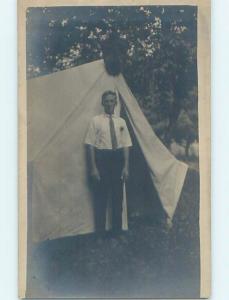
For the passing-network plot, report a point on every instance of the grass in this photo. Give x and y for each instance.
(147, 261)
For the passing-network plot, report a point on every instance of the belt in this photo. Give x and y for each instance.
(109, 150)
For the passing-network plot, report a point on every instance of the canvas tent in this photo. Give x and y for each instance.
(60, 107)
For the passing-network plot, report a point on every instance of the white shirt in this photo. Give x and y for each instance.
(98, 134)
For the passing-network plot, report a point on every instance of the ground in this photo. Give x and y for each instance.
(147, 261)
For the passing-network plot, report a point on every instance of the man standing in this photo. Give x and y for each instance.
(108, 141)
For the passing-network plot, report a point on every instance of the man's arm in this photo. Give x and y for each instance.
(94, 170)
(90, 141)
(125, 171)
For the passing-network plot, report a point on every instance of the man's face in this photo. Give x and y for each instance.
(109, 104)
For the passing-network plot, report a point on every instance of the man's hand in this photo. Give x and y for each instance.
(125, 174)
(95, 174)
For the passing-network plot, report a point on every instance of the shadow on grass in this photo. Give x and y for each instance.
(146, 261)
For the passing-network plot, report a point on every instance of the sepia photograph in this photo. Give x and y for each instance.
(113, 196)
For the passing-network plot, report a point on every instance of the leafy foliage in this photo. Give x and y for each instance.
(154, 47)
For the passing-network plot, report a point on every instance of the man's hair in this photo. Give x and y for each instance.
(105, 94)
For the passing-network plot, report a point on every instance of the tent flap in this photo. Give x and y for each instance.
(166, 171)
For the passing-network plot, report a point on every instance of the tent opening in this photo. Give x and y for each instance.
(142, 198)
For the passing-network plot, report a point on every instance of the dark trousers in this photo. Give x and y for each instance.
(110, 186)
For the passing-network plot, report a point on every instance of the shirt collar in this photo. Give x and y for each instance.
(108, 116)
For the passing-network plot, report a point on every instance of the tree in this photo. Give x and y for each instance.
(185, 130)
(153, 46)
